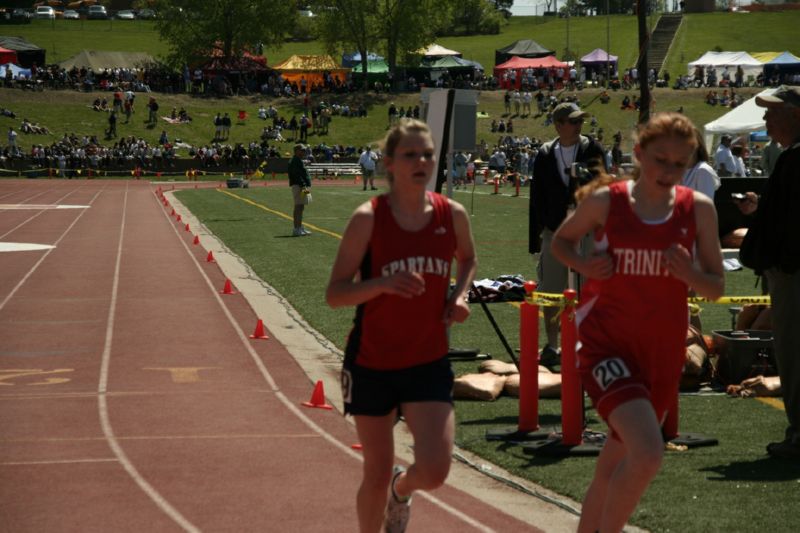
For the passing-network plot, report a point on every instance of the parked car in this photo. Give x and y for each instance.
(19, 15)
(146, 14)
(97, 12)
(126, 14)
(71, 14)
(45, 12)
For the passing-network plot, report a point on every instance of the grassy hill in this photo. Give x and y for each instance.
(753, 32)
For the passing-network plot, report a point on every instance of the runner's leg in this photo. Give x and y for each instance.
(377, 438)
(432, 424)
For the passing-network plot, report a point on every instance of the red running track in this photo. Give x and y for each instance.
(132, 400)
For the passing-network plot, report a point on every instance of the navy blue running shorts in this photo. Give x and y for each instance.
(377, 392)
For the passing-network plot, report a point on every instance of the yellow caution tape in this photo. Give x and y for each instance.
(544, 299)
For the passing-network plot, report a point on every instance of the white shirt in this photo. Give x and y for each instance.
(367, 160)
(702, 178)
(724, 157)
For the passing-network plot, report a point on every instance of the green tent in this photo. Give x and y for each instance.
(377, 70)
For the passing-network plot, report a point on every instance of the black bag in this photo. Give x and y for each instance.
(748, 251)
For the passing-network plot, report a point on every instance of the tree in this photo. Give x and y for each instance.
(394, 27)
(193, 28)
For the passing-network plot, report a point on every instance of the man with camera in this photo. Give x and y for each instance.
(560, 168)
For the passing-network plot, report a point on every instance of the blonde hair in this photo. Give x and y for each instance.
(406, 126)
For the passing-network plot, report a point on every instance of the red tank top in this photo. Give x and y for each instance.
(391, 332)
(641, 305)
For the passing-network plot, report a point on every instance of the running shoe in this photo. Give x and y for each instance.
(304, 231)
(297, 232)
(398, 511)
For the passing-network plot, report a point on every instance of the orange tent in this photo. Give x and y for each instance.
(312, 68)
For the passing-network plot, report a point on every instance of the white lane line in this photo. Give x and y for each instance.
(289, 404)
(23, 247)
(15, 207)
(29, 219)
(61, 462)
(102, 403)
(47, 253)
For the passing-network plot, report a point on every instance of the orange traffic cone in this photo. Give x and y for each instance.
(196, 240)
(318, 397)
(228, 288)
(210, 257)
(186, 227)
(178, 218)
(173, 212)
(357, 446)
(259, 333)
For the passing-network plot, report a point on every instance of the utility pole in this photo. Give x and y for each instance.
(644, 42)
(608, 44)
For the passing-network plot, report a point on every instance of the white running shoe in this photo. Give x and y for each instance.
(398, 511)
(304, 231)
(297, 232)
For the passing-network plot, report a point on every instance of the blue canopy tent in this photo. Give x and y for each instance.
(786, 64)
(15, 71)
(354, 58)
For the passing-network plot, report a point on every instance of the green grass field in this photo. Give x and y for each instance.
(721, 488)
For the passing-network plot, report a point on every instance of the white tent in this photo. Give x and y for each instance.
(719, 60)
(435, 50)
(743, 118)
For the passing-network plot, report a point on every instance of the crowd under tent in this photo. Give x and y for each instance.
(28, 53)
(598, 60)
(720, 60)
(522, 48)
(100, 60)
(784, 64)
(520, 64)
(310, 67)
(354, 58)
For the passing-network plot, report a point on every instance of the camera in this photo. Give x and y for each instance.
(580, 173)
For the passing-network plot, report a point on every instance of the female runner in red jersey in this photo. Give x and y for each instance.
(653, 240)
(394, 265)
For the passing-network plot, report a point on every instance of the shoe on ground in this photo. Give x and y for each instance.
(374, 188)
(304, 231)
(549, 357)
(297, 232)
(398, 511)
(786, 449)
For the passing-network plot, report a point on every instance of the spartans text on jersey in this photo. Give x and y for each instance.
(421, 264)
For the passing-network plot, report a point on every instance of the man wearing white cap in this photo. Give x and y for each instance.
(772, 248)
(558, 169)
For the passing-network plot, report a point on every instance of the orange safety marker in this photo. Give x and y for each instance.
(196, 240)
(571, 391)
(357, 446)
(178, 218)
(259, 333)
(187, 227)
(318, 397)
(228, 288)
(210, 257)
(528, 362)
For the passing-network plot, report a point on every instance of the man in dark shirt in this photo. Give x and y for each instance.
(558, 170)
(772, 248)
(300, 182)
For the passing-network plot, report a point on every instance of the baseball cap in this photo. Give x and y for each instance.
(568, 110)
(299, 147)
(783, 95)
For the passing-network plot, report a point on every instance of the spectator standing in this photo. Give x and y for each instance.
(552, 196)
(226, 126)
(724, 162)
(152, 106)
(700, 176)
(772, 248)
(300, 182)
(396, 355)
(112, 124)
(218, 127)
(12, 137)
(460, 160)
(632, 318)
(367, 162)
(769, 156)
